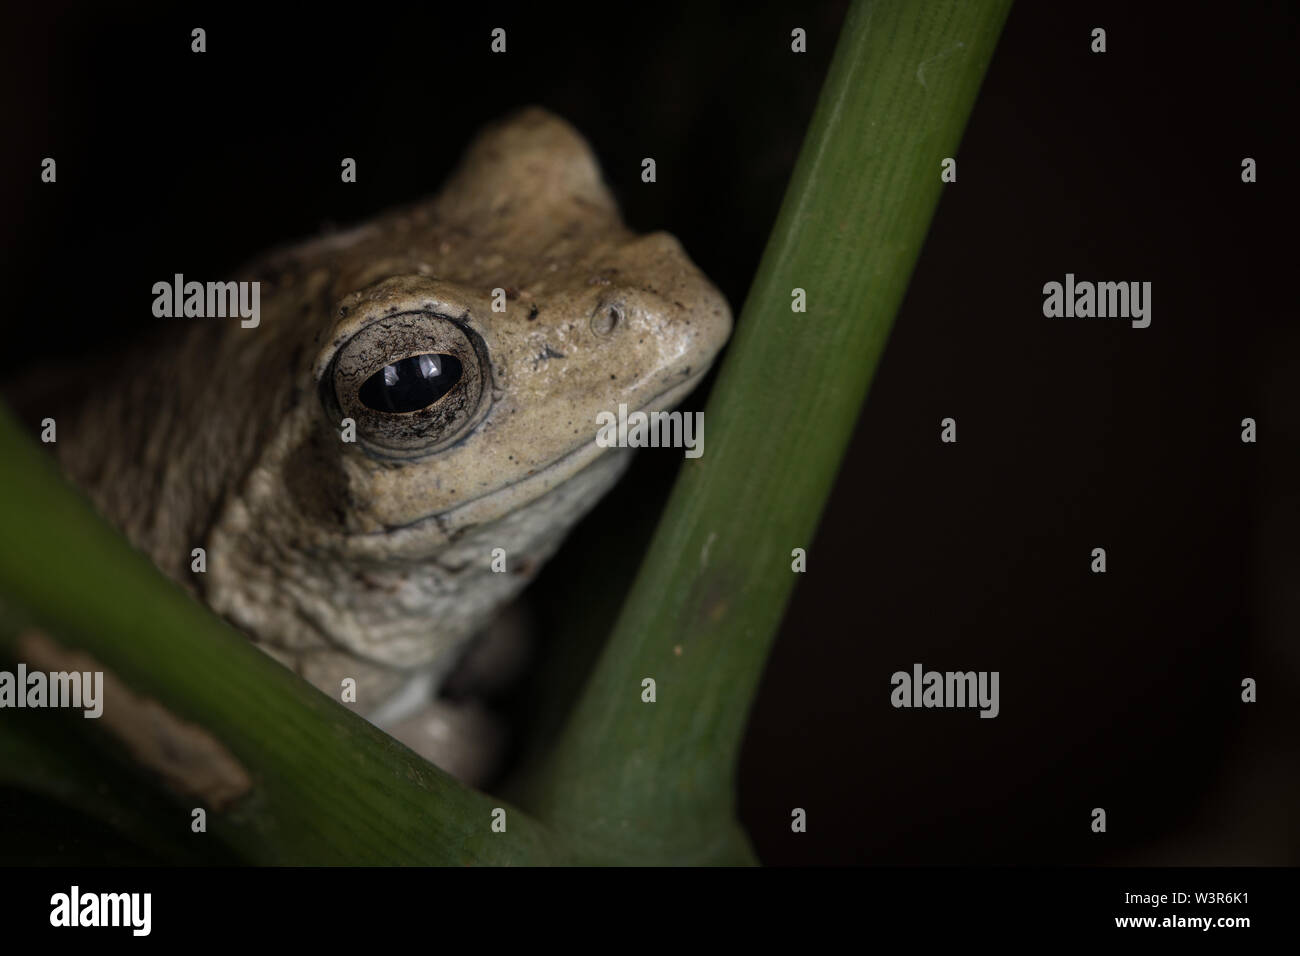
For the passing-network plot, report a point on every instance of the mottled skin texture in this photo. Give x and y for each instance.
(371, 559)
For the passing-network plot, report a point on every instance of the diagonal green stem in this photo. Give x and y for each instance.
(327, 787)
(654, 781)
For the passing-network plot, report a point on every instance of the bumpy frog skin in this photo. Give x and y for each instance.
(372, 559)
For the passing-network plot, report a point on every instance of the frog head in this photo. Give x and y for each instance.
(471, 341)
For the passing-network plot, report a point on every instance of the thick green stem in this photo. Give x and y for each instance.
(654, 781)
(326, 787)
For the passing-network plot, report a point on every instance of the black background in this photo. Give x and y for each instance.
(1118, 690)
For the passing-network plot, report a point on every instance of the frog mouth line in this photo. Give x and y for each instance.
(446, 520)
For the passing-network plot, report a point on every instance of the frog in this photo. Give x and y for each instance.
(365, 477)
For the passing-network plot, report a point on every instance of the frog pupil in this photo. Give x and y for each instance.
(411, 384)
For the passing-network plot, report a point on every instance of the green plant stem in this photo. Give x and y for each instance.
(655, 781)
(327, 787)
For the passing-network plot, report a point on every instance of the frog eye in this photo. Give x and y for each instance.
(413, 383)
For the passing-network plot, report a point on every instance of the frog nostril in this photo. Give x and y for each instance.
(606, 318)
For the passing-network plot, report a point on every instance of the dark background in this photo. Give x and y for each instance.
(1119, 690)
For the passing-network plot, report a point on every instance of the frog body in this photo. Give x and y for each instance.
(518, 304)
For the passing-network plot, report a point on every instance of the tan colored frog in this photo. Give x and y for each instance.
(474, 429)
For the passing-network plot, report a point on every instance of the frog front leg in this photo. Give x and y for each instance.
(463, 738)
(458, 731)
